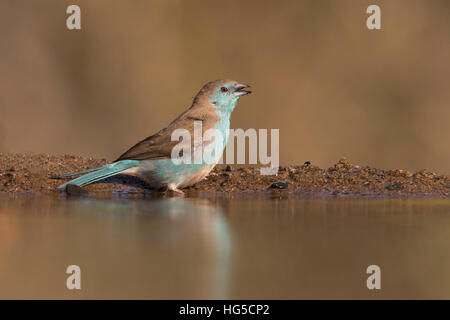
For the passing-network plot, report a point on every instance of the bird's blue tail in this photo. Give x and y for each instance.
(99, 173)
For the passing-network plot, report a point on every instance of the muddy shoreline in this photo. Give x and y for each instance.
(30, 174)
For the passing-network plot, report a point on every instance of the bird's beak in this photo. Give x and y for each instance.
(238, 90)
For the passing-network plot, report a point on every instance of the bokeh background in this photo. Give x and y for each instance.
(332, 87)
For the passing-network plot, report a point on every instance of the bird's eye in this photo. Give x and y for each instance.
(224, 89)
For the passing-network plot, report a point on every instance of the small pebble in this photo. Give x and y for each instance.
(74, 190)
(279, 185)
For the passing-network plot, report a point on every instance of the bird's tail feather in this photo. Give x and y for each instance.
(71, 174)
(100, 173)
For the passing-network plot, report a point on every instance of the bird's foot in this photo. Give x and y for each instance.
(175, 190)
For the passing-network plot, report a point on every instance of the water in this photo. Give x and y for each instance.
(219, 247)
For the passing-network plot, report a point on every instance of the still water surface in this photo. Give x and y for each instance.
(219, 247)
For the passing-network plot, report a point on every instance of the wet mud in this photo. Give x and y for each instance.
(31, 174)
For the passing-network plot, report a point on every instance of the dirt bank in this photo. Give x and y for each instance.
(30, 174)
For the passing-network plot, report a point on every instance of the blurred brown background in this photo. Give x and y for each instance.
(332, 87)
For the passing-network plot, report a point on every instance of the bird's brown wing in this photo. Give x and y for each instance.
(159, 145)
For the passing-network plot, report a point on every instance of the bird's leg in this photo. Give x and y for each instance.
(172, 187)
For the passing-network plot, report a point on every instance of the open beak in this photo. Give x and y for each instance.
(239, 90)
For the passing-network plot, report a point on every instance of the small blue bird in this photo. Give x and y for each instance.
(151, 158)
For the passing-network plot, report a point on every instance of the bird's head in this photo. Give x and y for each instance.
(222, 94)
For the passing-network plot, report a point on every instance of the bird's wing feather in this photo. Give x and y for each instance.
(157, 146)
(160, 145)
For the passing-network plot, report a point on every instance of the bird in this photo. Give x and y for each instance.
(151, 160)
